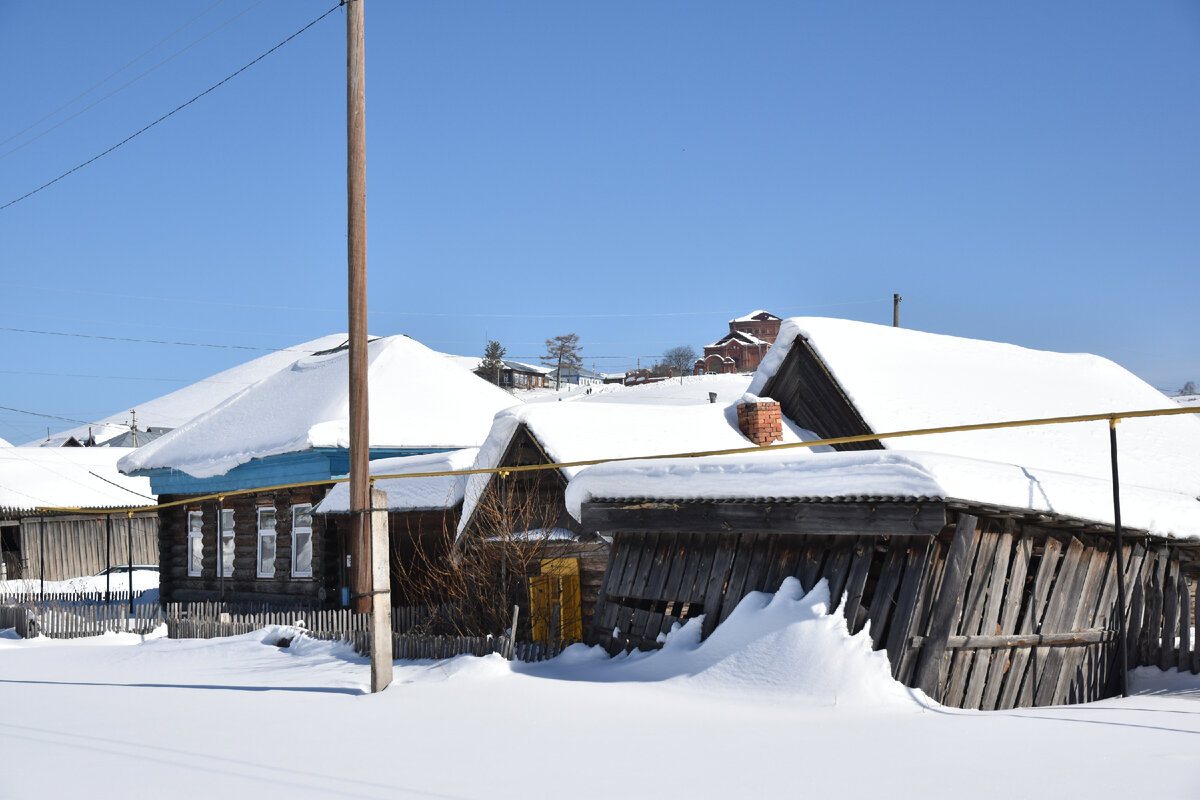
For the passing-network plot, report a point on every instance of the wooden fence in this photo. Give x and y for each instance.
(73, 620)
(25, 597)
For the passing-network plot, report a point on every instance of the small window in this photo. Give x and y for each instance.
(302, 541)
(227, 543)
(195, 543)
(266, 542)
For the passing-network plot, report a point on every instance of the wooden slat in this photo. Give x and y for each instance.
(665, 558)
(974, 604)
(856, 583)
(1010, 617)
(1153, 626)
(1059, 610)
(742, 554)
(919, 565)
(883, 601)
(947, 607)
(1085, 601)
(1184, 662)
(782, 562)
(809, 568)
(761, 559)
(1031, 618)
(990, 623)
(1168, 649)
(717, 576)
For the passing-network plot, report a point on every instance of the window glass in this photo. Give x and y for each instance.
(227, 542)
(266, 543)
(302, 541)
(195, 543)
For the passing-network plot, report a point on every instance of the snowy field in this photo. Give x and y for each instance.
(778, 702)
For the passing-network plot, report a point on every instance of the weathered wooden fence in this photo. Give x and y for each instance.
(209, 620)
(988, 614)
(27, 597)
(73, 620)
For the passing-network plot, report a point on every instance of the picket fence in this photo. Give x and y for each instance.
(73, 620)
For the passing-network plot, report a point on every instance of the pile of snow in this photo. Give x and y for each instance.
(5, 443)
(411, 494)
(418, 399)
(1187, 400)
(786, 645)
(174, 409)
(71, 477)
(900, 379)
(585, 431)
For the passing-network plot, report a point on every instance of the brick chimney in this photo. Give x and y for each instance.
(761, 422)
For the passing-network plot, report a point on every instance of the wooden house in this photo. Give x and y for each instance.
(499, 506)
(35, 543)
(251, 545)
(984, 563)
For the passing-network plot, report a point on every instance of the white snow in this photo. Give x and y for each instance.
(686, 391)
(418, 398)
(5, 443)
(144, 580)
(779, 697)
(73, 477)
(1187, 400)
(750, 317)
(900, 379)
(411, 494)
(795, 474)
(173, 409)
(586, 431)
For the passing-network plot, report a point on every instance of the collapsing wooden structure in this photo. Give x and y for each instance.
(980, 608)
(56, 547)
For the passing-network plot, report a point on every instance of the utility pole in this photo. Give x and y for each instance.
(896, 310)
(368, 595)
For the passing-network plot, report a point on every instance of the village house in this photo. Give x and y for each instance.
(983, 562)
(743, 348)
(293, 428)
(55, 545)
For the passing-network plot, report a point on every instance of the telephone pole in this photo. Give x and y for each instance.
(365, 550)
(896, 310)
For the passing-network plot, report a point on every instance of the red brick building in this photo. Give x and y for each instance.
(743, 348)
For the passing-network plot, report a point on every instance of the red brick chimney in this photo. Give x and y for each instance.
(761, 422)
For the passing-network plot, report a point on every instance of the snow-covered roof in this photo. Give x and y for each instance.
(418, 398)
(5, 443)
(411, 494)
(900, 379)
(748, 338)
(753, 315)
(582, 432)
(885, 475)
(71, 477)
(174, 409)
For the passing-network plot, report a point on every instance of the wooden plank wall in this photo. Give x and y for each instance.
(75, 545)
(986, 615)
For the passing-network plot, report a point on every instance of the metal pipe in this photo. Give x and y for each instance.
(129, 551)
(1122, 641)
(108, 558)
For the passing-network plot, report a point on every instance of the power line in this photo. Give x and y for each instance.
(114, 74)
(171, 113)
(156, 341)
(48, 416)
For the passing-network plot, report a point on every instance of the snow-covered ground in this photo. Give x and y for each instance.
(145, 579)
(686, 391)
(778, 702)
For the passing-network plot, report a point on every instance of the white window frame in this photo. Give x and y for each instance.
(226, 569)
(195, 538)
(262, 534)
(301, 530)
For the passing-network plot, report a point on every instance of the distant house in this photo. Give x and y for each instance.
(582, 377)
(293, 427)
(56, 545)
(743, 348)
(983, 562)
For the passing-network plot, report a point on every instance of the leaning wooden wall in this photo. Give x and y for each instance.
(989, 614)
(75, 545)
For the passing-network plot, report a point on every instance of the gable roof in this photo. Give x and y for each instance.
(73, 477)
(899, 379)
(742, 336)
(418, 399)
(756, 316)
(585, 431)
(411, 494)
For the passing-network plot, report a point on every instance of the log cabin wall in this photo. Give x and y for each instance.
(987, 614)
(244, 585)
(812, 398)
(79, 545)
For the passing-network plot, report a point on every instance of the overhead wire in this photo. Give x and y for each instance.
(169, 114)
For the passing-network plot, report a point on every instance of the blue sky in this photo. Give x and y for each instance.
(638, 173)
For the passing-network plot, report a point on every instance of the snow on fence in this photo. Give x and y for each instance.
(209, 620)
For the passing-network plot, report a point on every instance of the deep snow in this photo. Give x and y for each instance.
(779, 702)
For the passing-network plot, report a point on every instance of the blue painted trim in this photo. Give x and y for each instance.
(318, 464)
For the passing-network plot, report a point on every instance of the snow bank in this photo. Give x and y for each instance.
(75, 477)
(411, 494)
(785, 645)
(900, 379)
(418, 398)
(689, 391)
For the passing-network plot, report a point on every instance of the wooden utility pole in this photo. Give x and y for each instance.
(363, 585)
(896, 310)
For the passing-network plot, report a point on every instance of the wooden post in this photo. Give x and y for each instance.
(946, 608)
(108, 558)
(356, 227)
(42, 558)
(1122, 642)
(129, 553)
(896, 310)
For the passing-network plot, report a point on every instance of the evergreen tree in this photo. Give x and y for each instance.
(493, 362)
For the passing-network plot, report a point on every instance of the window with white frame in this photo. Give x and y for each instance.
(195, 543)
(226, 565)
(302, 541)
(266, 542)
